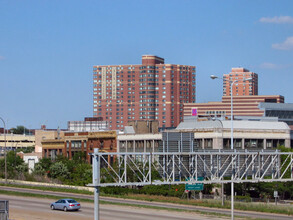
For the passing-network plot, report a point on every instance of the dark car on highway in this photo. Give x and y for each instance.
(65, 205)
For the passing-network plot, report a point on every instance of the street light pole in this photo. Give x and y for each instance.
(5, 159)
(232, 139)
(222, 185)
(232, 148)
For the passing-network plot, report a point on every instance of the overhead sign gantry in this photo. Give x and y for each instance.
(204, 167)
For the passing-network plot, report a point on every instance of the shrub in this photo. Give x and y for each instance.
(243, 198)
(39, 170)
(82, 175)
(22, 168)
(58, 170)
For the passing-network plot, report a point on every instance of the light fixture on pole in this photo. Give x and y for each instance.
(5, 159)
(214, 77)
(232, 140)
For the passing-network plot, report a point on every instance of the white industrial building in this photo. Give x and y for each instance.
(194, 134)
(247, 134)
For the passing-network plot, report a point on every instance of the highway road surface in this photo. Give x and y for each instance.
(29, 208)
(248, 214)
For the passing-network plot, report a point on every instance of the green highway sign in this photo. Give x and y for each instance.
(196, 186)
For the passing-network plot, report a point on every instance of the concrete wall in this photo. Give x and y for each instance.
(19, 182)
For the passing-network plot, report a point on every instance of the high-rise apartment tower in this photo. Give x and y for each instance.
(240, 88)
(152, 90)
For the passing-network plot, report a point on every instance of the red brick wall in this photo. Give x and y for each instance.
(150, 91)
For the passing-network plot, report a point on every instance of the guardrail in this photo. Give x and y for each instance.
(4, 209)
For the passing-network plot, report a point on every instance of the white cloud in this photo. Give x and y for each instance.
(277, 20)
(286, 45)
(268, 66)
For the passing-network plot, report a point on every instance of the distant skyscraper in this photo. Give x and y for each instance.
(240, 88)
(152, 90)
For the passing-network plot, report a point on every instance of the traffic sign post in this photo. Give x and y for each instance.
(195, 186)
(276, 196)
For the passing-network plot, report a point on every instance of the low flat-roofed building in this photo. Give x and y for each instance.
(283, 111)
(139, 136)
(14, 141)
(74, 142)
(242, 106)
(247, 134)
(251, 133)
(138, 142)
(31, 159)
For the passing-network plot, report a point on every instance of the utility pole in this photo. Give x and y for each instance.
(5, 150)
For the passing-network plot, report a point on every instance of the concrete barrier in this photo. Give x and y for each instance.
(28, 183)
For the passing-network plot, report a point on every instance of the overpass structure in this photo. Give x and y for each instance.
(219, 166)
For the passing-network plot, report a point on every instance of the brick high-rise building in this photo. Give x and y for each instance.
(240, 88)
(152, 90)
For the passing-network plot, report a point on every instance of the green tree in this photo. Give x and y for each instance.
(22, 168)
(39, 170)
(26, 150)
(45, 164)
(58, 170)
(2, 168)
(82, 174)
(79, 157)
(20, 129)
(13, 161)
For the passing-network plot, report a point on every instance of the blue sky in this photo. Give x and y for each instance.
(48, 48)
